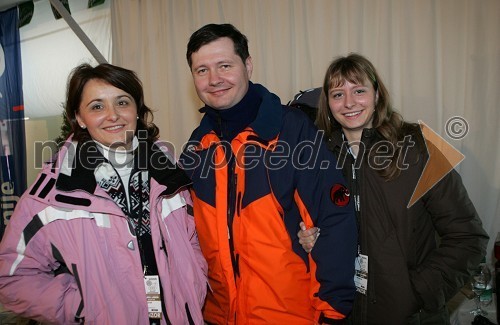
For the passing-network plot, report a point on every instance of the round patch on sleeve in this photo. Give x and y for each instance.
(340, 196)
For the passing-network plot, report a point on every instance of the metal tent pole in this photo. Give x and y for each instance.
(78, 31)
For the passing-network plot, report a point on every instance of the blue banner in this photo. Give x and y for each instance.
(12, 141)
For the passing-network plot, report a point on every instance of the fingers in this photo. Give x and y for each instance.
(309, 234)
(308, 237)
(308, 247)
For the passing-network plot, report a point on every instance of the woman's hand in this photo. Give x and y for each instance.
(307, 237)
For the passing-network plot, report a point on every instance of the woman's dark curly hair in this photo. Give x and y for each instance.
(118, 77)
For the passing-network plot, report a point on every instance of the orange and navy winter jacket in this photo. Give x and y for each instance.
(250, 195)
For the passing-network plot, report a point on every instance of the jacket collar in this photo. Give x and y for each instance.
(162, 169)
(76, 166)
(368, 137)
(267, 122)
(78, 162)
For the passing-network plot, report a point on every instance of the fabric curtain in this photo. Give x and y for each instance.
(12, 137)
(439, 59)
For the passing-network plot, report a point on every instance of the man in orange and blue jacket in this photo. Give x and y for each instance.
(258, 169)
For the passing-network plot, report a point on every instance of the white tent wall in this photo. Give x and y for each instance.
(439, 59)
(50, 50)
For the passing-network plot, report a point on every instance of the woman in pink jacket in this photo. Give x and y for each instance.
(105, 235)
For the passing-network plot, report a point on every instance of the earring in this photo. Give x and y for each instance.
(137, 117)
(83, 127)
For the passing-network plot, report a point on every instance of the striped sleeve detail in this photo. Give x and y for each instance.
(171, 204)
(46, 189)
(72, 200)
(32, 228)
(47, 216)
(43, 186)
(39, 182)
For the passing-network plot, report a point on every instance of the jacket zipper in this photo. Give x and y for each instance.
(231, 211)
(370, 297)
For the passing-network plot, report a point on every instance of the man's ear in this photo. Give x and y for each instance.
(249, 66)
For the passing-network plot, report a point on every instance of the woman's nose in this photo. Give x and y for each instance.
(349, 102)
(112, 113)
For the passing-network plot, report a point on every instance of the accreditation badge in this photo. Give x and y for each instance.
(361, 273)
(152, 285)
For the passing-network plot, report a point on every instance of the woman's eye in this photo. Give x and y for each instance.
(336, 95)
(360, 91)
(123, 103)
(96, 107)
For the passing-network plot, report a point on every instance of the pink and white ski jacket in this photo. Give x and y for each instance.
(69, 256)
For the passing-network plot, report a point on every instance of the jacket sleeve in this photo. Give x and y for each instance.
(322, 197)
(187, 269)
(28, 284)
(462, 240)
(193, 236)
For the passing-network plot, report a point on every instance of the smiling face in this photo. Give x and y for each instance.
(352, 106)
(220, 76)
(108, 113)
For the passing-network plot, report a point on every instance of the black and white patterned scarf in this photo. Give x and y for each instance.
(138, 195)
